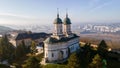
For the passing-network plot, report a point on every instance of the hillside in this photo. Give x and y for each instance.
(113, 40)
(4, 29)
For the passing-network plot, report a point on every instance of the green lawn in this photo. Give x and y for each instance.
(54, 66)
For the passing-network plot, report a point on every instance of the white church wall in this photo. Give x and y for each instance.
(50, 56)
(53, 50)
(57, 46)
(58, 29)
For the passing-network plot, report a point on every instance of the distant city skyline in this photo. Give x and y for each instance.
(44, 11)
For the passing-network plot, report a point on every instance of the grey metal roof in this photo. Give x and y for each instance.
(33, 36)
(51, 40)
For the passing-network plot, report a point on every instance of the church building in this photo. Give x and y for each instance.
(59, 46)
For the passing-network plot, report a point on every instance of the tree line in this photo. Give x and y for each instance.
(14, 54)
(87, 57)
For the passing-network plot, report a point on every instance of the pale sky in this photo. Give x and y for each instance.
(44, 11)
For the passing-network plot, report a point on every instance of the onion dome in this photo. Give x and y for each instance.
(67, 20)
(58, 20)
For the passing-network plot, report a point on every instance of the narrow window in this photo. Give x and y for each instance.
(73, 47)
(66, 52)
(52, 55)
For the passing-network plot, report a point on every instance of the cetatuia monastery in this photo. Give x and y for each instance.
(59, 46)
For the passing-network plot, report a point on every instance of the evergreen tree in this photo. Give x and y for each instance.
(33, 48)
(97, 62)
(20, 50)
(73, 61)
(102, 49)
(85, 55)
(32, 62)
(6, 49)
(103, 45)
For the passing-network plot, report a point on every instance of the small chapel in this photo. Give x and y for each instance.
(62, 43)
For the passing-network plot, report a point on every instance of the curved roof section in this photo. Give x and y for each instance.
(67, 21)
(58, 20)
(51, 40)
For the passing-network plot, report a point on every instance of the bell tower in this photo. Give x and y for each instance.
(58, 26)
(67, 25)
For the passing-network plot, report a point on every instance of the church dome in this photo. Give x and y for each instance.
(67, 21)
(58, 21)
